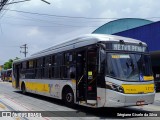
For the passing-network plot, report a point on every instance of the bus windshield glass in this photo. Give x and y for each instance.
(128, 67)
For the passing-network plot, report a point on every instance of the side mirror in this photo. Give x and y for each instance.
(101, 45)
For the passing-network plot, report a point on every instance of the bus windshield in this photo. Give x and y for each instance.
(128, 67)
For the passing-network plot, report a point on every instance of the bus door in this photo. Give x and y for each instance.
(86, 76)
(17, 75)
(91, 87)
(81, 75)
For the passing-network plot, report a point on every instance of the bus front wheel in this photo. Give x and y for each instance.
(68, 97)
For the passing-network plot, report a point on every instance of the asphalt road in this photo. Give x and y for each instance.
(13, 100)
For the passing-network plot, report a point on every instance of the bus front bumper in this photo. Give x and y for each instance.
(117, 99)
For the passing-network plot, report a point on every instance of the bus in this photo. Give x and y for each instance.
(6, 75)
(3, 75)
(9, 75)
(155, 57)
(92, 70)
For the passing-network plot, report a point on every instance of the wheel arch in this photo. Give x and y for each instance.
(66, 87)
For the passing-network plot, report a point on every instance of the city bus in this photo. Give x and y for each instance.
(6, 75)
(3, 75)
(92, 70)
(9, 75)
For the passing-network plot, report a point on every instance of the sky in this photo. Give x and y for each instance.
(62, 20)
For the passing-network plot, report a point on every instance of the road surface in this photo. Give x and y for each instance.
(33, 106)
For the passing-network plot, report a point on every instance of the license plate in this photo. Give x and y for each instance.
(139, 103)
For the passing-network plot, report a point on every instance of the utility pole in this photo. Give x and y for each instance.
(25, 49)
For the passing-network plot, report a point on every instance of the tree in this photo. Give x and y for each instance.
(8, 64)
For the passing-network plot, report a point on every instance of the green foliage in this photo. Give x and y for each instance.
(8, 64)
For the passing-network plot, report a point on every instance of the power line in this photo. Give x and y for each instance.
(44, 21)
(2, 4)
(16, 2)
(7, 2)
(5, 10)
(46, 1)
(25, 1)
(51, 15)
(72, 17)
(51, 21)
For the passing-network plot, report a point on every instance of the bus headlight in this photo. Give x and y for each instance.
(115, 87)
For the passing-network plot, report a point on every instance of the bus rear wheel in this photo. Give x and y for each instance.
(68, 97)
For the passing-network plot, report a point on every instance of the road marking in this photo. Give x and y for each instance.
(12, 105)
(18, 118)
(2, 106)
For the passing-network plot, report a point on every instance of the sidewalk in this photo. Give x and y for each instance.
(5, 113)
(8, 108)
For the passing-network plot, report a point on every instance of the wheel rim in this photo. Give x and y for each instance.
(69, 97)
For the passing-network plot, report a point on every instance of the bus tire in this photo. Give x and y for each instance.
(23, 88)
(68, 97)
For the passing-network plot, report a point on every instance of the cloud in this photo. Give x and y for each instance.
(110, 13)
(33, 32)
(40, 32)
(126, 10)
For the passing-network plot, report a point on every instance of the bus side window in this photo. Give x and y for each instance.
(72, 65)
(39, 68)
(65, 65)
(57, 66)
(43, 67)
(72, 71)
(35, 67)
(47, 67)
(61, 62)
(69, 65)
(53, 66)
(23, 70)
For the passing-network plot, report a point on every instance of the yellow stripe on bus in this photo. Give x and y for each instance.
(148, 77)
(14, 83)
(138, 89)
(39, 87)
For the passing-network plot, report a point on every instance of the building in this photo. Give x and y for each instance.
(121, 25)
(150, 34)
(144, 30)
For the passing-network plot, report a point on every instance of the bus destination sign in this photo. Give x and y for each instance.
(128, 47)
